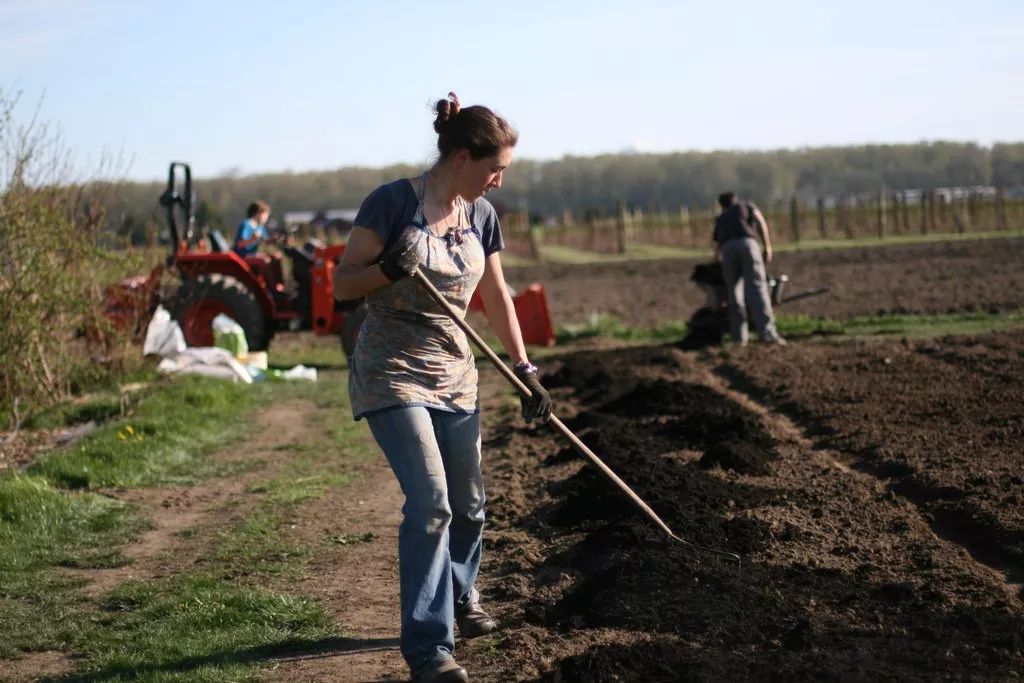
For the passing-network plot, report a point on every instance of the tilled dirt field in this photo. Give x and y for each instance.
(944, 277)
(873, 490)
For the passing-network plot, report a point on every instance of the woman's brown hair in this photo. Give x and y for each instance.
(476, 129)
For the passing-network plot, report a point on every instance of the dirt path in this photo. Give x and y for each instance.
(185, 518)
(357, 580)
(350, 534)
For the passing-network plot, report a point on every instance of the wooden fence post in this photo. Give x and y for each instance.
(849, 207)
(568, 220)
(960, 215)
(794, 218)
(881, 214)
(534, 237)
(620, 226)
(924, 212)
(684, 220)
(931, 211)
(821, 217)
(905, 210)
(1000, 209)
(944, 203)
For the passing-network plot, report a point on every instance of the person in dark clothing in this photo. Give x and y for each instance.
(740, 232)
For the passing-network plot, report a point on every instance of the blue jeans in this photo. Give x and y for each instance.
(435, 456)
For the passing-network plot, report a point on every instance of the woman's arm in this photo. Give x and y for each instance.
(357, 274)
(499, 309)
(502, 316)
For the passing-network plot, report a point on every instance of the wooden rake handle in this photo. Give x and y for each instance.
(559, 425)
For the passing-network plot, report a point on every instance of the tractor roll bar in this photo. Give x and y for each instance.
(171, 199)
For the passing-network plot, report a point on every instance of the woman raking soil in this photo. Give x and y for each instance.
(413, 377)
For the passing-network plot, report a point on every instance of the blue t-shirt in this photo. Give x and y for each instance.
(391, 207)
(409, 352)
(247, 230)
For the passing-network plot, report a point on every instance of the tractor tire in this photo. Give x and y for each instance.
(350, 328)
(199, 300)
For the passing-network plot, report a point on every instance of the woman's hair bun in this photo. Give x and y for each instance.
(447, 109)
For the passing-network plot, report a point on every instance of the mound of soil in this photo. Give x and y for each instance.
(739, 456)
(842, 577)
(940, 421)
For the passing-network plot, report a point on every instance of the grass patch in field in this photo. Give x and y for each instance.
(153, 631)
(258, 547)
(802, 326)
(893, 240)
(304, 479)
(39, 614)
(902, 325)
(98, 408)
(40, 528)
(304, 348)
(197, 629)
(636, 251)
(601, 325)
(161, 442)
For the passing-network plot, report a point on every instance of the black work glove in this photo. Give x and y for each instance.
(402, 259)
(538, 405)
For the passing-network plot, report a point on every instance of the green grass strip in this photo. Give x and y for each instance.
(802, 326)
(601, 325)
(43, 527)
(638, 251)
(894, 240)
(192, 628)
(971, 323)
(98, 408)
(197, 629)
(161, 442)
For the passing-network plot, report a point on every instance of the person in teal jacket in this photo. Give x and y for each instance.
(252, 230)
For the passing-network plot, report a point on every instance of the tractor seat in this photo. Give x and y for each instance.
(217, 242)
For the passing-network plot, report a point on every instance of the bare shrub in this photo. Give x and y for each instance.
(54, 339)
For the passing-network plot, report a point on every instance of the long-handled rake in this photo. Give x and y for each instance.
(558, 424)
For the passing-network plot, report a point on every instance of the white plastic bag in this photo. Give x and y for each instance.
(206, 360)
(300, 372)
(164, 337)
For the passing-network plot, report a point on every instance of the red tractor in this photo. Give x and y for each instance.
(253, 292)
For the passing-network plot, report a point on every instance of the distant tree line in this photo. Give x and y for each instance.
(593, 185)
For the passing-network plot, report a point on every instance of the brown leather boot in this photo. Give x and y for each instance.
(475, 622)
(447, 671)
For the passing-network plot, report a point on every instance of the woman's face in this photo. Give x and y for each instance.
(479, 176)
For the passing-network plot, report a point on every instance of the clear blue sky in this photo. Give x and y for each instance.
(272, 86)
